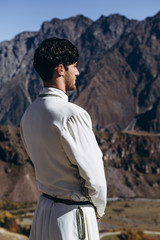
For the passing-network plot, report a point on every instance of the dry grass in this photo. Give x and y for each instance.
(135, 214)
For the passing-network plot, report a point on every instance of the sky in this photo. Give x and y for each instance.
(17, 16)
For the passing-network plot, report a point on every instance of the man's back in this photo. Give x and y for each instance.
(43, 123)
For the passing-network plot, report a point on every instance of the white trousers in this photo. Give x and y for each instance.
(58, 221)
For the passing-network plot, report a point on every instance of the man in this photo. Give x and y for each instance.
(59, 139)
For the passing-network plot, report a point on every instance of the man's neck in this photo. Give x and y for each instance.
(59, 86)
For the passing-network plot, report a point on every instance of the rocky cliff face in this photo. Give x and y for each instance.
(125, 80)
(119, 64)
(131, 164)
(17, 180)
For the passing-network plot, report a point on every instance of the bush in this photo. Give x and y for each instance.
(8, 221)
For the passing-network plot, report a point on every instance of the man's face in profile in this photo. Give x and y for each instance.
(70, 76)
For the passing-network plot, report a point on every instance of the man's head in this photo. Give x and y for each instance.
(51, 53)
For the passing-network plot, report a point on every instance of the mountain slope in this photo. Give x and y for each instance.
(119, 63)
(17, 179)
(131, 165)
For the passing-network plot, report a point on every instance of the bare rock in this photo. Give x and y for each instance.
(6, 235)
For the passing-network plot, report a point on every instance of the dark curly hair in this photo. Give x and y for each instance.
(51, 53)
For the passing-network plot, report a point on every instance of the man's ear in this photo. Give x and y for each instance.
(60, 70)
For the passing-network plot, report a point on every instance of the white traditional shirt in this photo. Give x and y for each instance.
(59, 139)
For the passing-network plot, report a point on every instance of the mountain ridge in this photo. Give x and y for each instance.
(119, 64)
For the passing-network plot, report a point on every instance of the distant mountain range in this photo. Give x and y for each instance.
(119, 84)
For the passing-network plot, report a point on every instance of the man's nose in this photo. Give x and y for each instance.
(77, 73)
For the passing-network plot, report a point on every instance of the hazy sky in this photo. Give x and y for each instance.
(27, 15)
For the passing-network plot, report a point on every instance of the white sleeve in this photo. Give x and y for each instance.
(81, 147)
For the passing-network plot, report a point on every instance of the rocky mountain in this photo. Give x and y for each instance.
(17, 179)
(119, 64)
(131, 164)
(124, 82)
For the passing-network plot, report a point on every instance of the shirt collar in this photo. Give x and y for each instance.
(55, 91)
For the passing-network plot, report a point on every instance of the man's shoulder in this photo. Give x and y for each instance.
(67, 110)
(75, 114)
(74, 109)
(58, 112)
